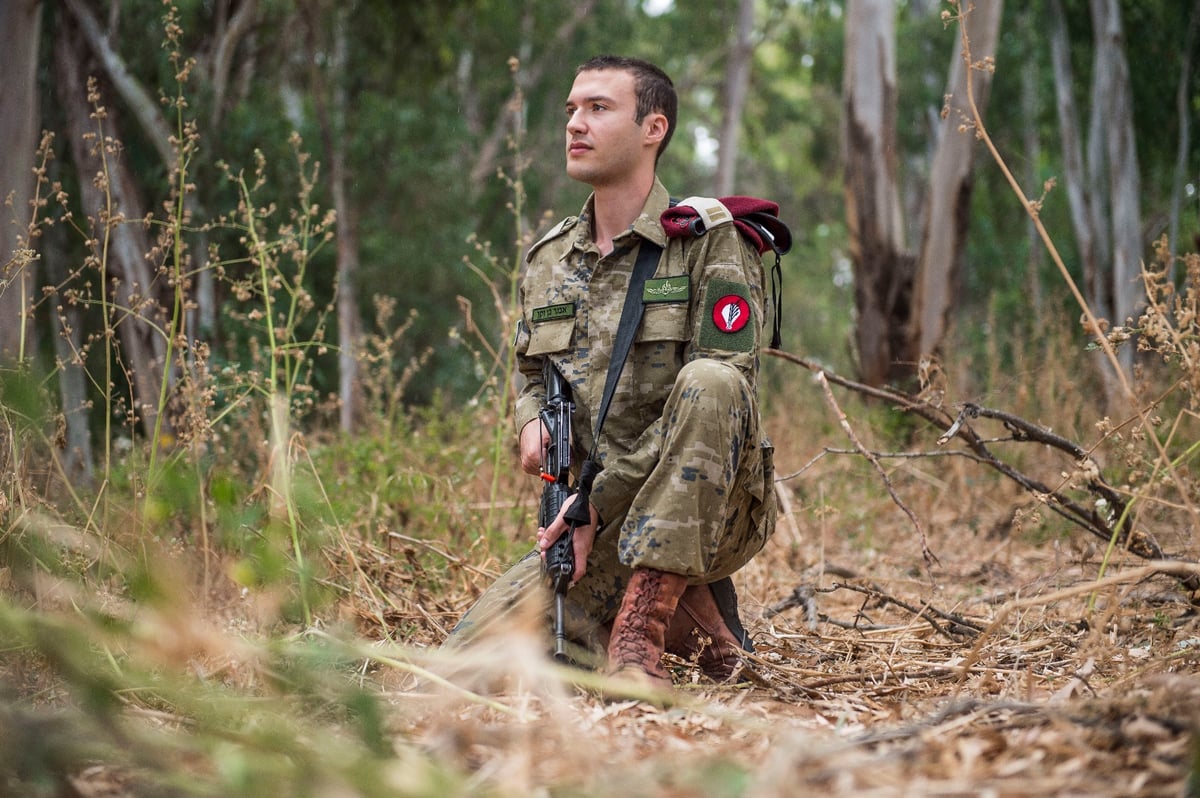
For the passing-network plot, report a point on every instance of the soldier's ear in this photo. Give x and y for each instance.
(655, 126)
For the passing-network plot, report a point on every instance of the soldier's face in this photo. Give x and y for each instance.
(604, 143)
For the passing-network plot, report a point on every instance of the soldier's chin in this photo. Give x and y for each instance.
(578, 171)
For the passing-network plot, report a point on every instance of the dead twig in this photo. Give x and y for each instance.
(957, 715)
(1092, 519)
(879, 678)
(1108, 517)
(804, 595)
(929, 556)
(960, 626)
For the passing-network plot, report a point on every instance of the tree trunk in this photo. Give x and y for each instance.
(1116, 104)
(883, 271)
(332, 122)
(737, 81)
(115, 211)
(1079, 198)
(142, 105)
(229, 33)
(947, 211)
(20, 26)
(1096, 184)
(349, 321)
(1183, 109)
(1103, 191)
(1031, 112)
(202, 319)
(69, 327)
(487, 153)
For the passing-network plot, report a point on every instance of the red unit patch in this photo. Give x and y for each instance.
(731, 313)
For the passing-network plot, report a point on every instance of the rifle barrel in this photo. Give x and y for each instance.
(560, 631)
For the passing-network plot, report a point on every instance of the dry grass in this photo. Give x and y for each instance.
(1018, 664)
(860, 690)
(1015, 662)
(925, 626)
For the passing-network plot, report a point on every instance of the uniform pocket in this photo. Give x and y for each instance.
(764, 513)
(664, 322)
(768, 467)
(550, 336)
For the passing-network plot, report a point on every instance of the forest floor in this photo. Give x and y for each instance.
(1013, 661)
(1009, 667)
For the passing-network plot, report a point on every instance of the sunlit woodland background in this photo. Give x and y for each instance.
(258, 276)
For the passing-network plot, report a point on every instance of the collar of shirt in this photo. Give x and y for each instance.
(648, 224)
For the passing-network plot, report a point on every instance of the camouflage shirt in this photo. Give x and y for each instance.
(706, 300)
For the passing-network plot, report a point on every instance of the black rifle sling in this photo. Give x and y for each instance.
(646, 264)
(649, 254)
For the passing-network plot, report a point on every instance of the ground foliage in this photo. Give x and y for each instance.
(924, 625)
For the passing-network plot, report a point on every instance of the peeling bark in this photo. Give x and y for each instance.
(883, 270)
(951, 180)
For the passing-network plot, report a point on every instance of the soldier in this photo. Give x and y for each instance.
(685, 495)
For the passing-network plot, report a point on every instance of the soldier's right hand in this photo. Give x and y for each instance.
(533, 442)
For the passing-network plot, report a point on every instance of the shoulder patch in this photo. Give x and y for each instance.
(727, 322)
(554, 232)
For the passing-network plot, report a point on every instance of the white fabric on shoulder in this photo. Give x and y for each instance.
(710, 209)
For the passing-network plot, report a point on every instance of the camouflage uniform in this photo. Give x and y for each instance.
(686, 485)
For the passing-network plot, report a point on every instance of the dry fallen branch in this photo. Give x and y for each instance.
(929, 556)
(955, 716)
(1109, 516)
(804, 595)
(960, 626)
(1115, 507)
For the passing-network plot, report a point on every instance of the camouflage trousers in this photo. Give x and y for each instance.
(706, 507)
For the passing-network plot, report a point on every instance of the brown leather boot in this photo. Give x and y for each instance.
(699, 634)
(639, 630)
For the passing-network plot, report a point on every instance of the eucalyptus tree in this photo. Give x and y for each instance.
(1101, 168)
(904, 297)
(20, 23)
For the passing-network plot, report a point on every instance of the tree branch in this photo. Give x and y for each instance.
(489, 150)
(145, 108)
(241, 23)
(1108, 520)
(929, 556)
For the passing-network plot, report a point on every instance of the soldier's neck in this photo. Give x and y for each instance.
(616, 207)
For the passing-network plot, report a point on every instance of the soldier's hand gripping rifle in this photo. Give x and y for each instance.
(559, 564)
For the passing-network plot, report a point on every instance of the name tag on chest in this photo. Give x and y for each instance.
(565, 310)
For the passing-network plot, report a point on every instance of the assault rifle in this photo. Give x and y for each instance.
(559, 564)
